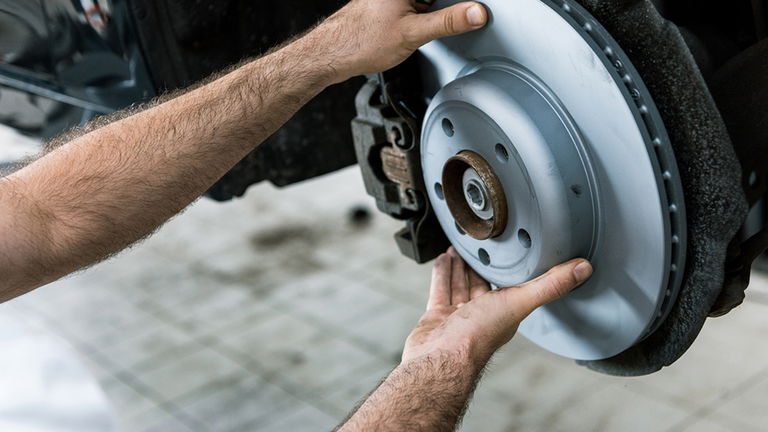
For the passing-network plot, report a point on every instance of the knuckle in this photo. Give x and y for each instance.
(545, 290)
(508, 303)
(435, 316)
(552, 287)
(412, 34)
(497, 295)
(449, 23)
(426, 320)
(409, 38)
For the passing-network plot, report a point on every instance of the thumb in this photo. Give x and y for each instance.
(457, 19)
(552, 285)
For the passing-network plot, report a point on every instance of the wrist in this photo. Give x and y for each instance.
(465, 358)
(333, 50)
(316, 53)
(477, 358)
(306, 67)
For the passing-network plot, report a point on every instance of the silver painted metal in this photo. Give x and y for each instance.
(551, 102)
(476, 194)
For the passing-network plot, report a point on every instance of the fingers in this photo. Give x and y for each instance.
(477, 285)
(556, 283)
(460, 18)
(440, 289)
(459, 280)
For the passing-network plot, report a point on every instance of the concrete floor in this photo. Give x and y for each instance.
(275, 313)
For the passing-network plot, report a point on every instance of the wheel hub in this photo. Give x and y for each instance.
(474, 195)
(541, 144)
(508, 172)
(474, 192)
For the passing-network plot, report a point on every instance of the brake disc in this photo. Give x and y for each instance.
(541, 144)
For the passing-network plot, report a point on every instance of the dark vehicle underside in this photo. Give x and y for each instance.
(632, 132)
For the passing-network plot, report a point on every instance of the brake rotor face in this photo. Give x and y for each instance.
(548, 104)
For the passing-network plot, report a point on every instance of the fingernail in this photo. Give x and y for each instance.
(476, 16)
(582, 271)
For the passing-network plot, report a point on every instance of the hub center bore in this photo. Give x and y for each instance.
(475, 196)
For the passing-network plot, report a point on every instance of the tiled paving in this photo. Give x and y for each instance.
(277, 313)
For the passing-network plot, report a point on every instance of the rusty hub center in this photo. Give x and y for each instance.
(474, 196)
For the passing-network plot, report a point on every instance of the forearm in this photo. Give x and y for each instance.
(429, 393)
(110, 187)
(106, 189)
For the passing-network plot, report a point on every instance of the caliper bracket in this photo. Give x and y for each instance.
(386, 135)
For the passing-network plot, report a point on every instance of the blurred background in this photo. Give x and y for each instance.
(282, 310)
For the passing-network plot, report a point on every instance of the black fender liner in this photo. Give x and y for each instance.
(710, 172)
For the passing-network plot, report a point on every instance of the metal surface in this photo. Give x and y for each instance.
(477, 195)
(76, 59)
(549, 100)
(474, 196)
(18, 79)
(78, 52)
(387, 145)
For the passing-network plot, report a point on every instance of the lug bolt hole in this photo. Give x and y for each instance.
(502, 154)
(524, 238)
(439, 191)
(753, 178)
(484, 257)
(448, 127)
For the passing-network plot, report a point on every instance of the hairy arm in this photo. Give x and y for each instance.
(425, 394)
(465, 323)
(113, 185)
(108, 188)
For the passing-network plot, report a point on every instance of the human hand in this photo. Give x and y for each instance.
(464, 316)
(368, 36)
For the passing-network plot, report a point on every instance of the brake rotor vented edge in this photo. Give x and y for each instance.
(659, 145)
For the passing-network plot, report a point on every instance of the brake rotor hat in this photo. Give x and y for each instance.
(541, 144)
